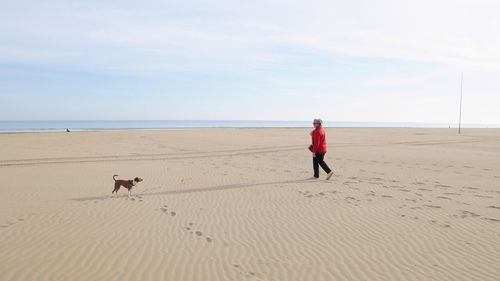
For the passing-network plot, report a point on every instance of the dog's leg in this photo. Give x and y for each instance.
(115, 191)
(129, 193)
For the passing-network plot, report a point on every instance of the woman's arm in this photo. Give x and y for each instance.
(316, 141)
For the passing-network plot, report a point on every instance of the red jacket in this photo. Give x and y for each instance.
(319, 141)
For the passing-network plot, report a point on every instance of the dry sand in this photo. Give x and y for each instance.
(236, 204)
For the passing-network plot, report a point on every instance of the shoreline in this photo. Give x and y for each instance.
(44, 126)
(227, 128)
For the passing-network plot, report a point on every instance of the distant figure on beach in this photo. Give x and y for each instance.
(67, 130)
(318, 149)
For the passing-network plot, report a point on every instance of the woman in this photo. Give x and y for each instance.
(319, 149)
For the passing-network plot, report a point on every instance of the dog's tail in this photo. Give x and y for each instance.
(114, 177)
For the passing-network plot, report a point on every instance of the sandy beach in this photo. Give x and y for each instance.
(238, 204)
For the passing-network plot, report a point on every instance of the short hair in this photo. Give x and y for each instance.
(319, 121)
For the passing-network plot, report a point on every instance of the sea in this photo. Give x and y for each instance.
(102, 125)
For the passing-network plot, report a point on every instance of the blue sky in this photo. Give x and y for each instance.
(261, 60)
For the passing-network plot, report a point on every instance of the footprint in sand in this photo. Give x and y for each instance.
(12, 223)
(136, 198)
(197, 232)
(466, 214)
(483, 196)
(435, 222)
(493, 220)
(164, 209)
(248, 274)
(349, 182)
(350, 199)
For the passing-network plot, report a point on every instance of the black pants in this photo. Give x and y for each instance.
(319, 161)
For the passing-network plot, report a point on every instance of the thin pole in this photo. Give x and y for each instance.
(460, 112)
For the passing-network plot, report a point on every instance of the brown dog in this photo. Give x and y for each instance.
(128, 184)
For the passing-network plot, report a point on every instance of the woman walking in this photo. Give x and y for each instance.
(318, 149)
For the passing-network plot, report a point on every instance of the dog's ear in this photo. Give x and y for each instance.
(136, 179)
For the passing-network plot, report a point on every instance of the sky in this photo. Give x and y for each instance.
(384, 60)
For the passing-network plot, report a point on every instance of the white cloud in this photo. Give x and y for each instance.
(461, 33)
